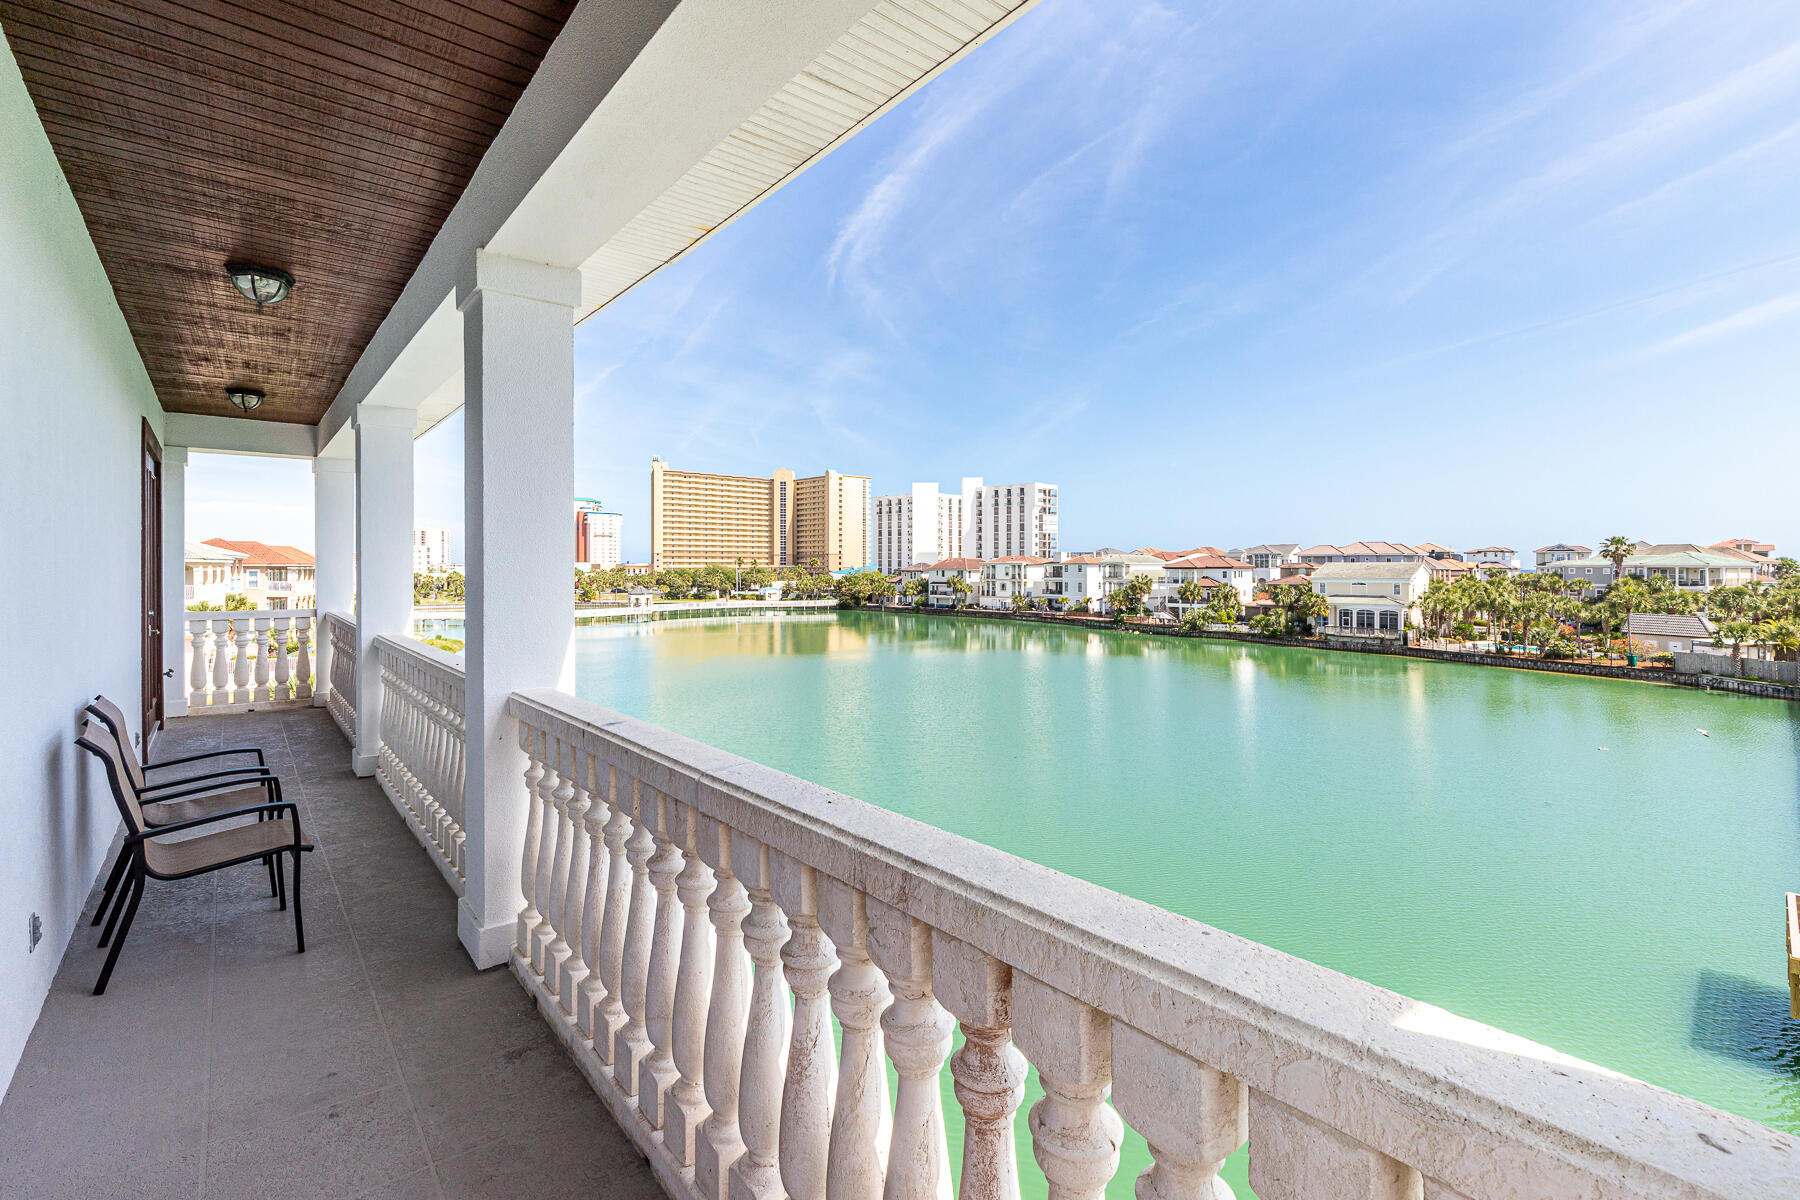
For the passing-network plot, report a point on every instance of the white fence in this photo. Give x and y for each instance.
(340, 701)
(420, 765)
(239, 660)
(692, 921)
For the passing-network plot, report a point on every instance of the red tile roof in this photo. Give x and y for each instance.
(1290, 579)
(258, 554)
(956, 564)
(1019, 558)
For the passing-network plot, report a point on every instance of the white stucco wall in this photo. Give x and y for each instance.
(73, 393)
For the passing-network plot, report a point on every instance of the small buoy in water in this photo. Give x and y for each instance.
(1701, 732)
(1599, 747)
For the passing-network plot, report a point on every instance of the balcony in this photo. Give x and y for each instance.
(556, 948)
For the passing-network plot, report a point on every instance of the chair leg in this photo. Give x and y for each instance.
(119, 901)
(269, 863)
(112, 956)
(112, 884)
(299, 924)
(280, 880)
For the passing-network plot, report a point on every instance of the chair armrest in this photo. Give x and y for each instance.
(170, 762)
(248, 774)
(249, 810)
(268, 783)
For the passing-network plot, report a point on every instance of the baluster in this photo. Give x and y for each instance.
(435, 726)
(199, 636)
(667, 818)
(918, 1041)
(757, 1173)
(632, 1044)
(303, 670)
(221, 660)
(283, 665)
(811, 1077)
(609, 1019)
(856, 1163)
(989, 1071)
(1294, 1157)
(1075, 1134)
(541, 933)
(687, 1106)
(534, 829)
(720, 1142)
(1193, 1116)
(240, 663)
(455, 779)
(575, 966)
(593, 903)
(556, 948)
(264, 661)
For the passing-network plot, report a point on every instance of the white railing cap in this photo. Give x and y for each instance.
(431, 656)
(235, 614)
(1478, 1109)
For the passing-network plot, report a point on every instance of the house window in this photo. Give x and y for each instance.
(1390, 622)
(1365, 619)
(253, 581)
(1396, 589)
(1346, 619)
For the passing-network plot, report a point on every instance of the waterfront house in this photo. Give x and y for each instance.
(1449, 570)
(1747, 546)
(939, 574)
(1011, 575)
(272, 577)
(1693, 568)
(1376, 599)
(1117, 569)
(1268, 560)
(555, 947)
(1075, 579)
(1559, 552)
(1234, 573)
(1503, 557)
(1670, 632)
(1363, 552)
(210, 571)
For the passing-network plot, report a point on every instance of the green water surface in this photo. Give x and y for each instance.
(1567, 858)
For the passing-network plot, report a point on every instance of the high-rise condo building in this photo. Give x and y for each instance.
(431, 549)
(1015, 519)
(698, 518)
(598, 534)
(920, 526)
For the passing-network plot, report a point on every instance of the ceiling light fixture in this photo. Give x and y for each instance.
(245, 398)
(260, 285)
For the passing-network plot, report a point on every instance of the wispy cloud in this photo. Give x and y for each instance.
(1742, 321)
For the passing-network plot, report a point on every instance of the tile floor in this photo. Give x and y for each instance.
(220, 1063)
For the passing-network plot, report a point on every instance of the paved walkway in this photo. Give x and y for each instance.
(380, 1063)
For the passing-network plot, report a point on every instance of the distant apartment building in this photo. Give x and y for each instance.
(271, 576)
(599, 535)
(1018, 518)
(431, 550)
(698, 518)
(1559, 552)
(921, 525)
(208, 573)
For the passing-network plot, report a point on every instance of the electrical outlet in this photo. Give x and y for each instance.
(34, 930)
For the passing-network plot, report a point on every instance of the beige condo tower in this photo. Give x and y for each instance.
(698, 518)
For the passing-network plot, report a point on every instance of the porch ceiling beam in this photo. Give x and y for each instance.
(233, 435)
(649, 126)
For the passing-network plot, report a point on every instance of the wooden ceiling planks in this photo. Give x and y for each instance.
(330, 139)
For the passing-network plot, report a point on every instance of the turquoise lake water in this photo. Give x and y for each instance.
(1566, 858)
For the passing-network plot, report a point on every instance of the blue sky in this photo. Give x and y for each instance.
(1232, 273)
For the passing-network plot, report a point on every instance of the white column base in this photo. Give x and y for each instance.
(488, 946)
(364, 764)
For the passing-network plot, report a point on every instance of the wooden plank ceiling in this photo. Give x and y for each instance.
(328, 139)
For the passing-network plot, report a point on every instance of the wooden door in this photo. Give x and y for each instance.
(152, 592)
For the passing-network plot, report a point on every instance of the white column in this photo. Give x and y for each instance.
(334, 553)
(518, 478)
(384, 574)
(174, 580)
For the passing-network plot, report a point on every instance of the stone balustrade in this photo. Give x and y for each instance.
(234, 661)
(340, 700)
(420, 762)
(691, 919)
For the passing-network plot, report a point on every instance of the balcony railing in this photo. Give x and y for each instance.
(692, 921)
(340, 701)
(420, 765)
(236, 660)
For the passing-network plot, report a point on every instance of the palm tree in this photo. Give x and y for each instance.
(1737, 633)
(1191, 593)
(959, 590)
(1618, 549)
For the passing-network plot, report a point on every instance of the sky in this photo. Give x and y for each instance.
(1231, 273)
